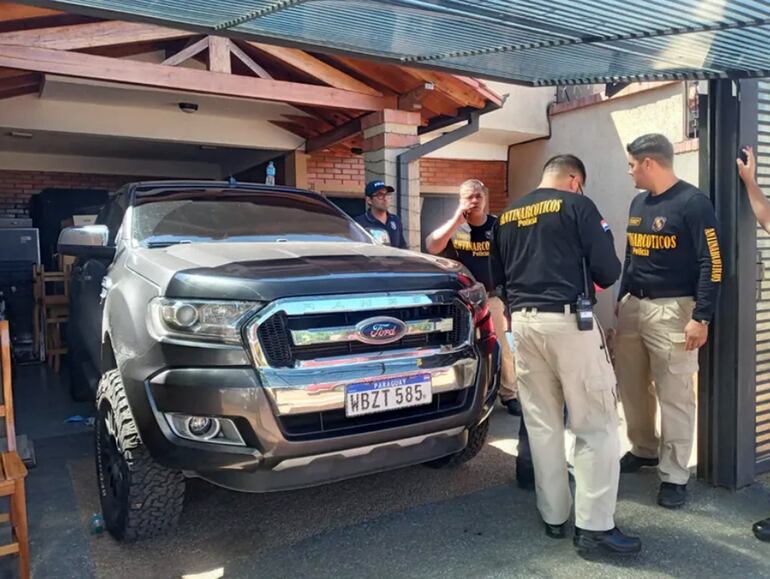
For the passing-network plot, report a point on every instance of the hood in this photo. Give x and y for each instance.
(268, 271)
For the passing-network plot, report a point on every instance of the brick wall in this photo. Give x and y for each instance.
(327, 171)
(451, 173)
(17, 187)
(324, 172)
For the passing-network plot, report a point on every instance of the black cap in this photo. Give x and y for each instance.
(373, 186)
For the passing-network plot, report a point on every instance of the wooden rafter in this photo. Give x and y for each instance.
(147, 74)
(92, 35)
(187, 52)
(10, 11)
(454, 89)
(248, 61)
(338, 135)
(300, 130)
(318, 69)
(412, 100)
(318, 125)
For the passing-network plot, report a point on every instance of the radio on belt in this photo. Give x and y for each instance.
(584, 309)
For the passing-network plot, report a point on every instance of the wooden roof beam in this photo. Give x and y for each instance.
(148, 74)
(10, 11)
(333, 137)
(318, 69)
(92, 35)
(187, 52)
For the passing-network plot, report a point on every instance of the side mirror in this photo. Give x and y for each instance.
(86, 241)
(380, 236)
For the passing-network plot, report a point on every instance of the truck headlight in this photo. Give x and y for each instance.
(200, 319)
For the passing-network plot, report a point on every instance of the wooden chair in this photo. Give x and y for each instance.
(52, 310)
(12, 469)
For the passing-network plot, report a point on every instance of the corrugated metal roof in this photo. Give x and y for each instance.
(538, 42)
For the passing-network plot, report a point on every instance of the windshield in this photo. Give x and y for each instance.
(228, 216)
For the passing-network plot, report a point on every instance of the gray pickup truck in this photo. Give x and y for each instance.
(258, 338)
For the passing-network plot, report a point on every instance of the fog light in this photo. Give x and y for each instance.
(203, 427)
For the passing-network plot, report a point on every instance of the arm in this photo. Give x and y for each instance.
(759, 203)
(624, 278)
(598, 244)
(701, 223)
(437, 241)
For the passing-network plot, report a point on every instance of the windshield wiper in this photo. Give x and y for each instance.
(167, 243)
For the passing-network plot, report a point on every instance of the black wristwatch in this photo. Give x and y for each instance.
(703, 322)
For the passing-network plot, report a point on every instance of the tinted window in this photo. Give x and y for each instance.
(226, 216)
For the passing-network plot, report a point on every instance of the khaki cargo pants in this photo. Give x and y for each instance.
(650, 359)
(556, 364)
(507, 373)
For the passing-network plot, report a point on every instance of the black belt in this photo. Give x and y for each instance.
(548, 308)
(655, 294)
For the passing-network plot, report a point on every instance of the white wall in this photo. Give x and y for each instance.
(598, 135)
(521, 118)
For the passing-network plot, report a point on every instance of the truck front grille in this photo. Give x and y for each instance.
(275, 333)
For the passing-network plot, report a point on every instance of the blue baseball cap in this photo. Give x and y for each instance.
(373, 186)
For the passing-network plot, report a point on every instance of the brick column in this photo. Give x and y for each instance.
(387, 134)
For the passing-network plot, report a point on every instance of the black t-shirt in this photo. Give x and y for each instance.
(470, 246)
(672, 248)
(538, 247)
(392, 225)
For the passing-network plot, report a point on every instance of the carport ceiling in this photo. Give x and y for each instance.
(535, 42)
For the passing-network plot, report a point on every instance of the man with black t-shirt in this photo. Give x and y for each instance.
(549, 248)
(465, 238)
(668, 293)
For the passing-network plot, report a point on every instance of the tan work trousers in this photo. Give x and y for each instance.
(650, 358)
(507, 372)
(557, 364)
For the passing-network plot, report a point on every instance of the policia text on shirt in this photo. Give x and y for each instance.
(673, 268)
(538, 249)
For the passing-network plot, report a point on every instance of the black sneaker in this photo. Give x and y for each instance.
(613, 542)
(672, 496)
(513, 406)
(556, 531)
(632, 463)
(525, 475)
(761, 530)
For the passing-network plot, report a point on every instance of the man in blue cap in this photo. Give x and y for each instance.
(377, 216)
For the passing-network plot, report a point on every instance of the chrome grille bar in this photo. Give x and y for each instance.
(350, 333)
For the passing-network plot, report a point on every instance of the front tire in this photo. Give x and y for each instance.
(139, 498)
(477, 437)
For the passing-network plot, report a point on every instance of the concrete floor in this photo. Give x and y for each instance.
(416, 522)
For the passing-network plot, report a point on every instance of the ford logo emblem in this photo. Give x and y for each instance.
(381, 330)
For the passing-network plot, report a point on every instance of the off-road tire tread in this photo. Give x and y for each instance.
(156, 493)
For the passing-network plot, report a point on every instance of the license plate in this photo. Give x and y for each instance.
(387, 394)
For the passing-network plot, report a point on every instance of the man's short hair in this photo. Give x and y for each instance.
(655, 146)
(566, 164)
(474, 185)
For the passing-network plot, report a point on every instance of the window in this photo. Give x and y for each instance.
(227, 216)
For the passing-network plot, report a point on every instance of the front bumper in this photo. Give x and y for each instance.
(270, 459)
(291, 418)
